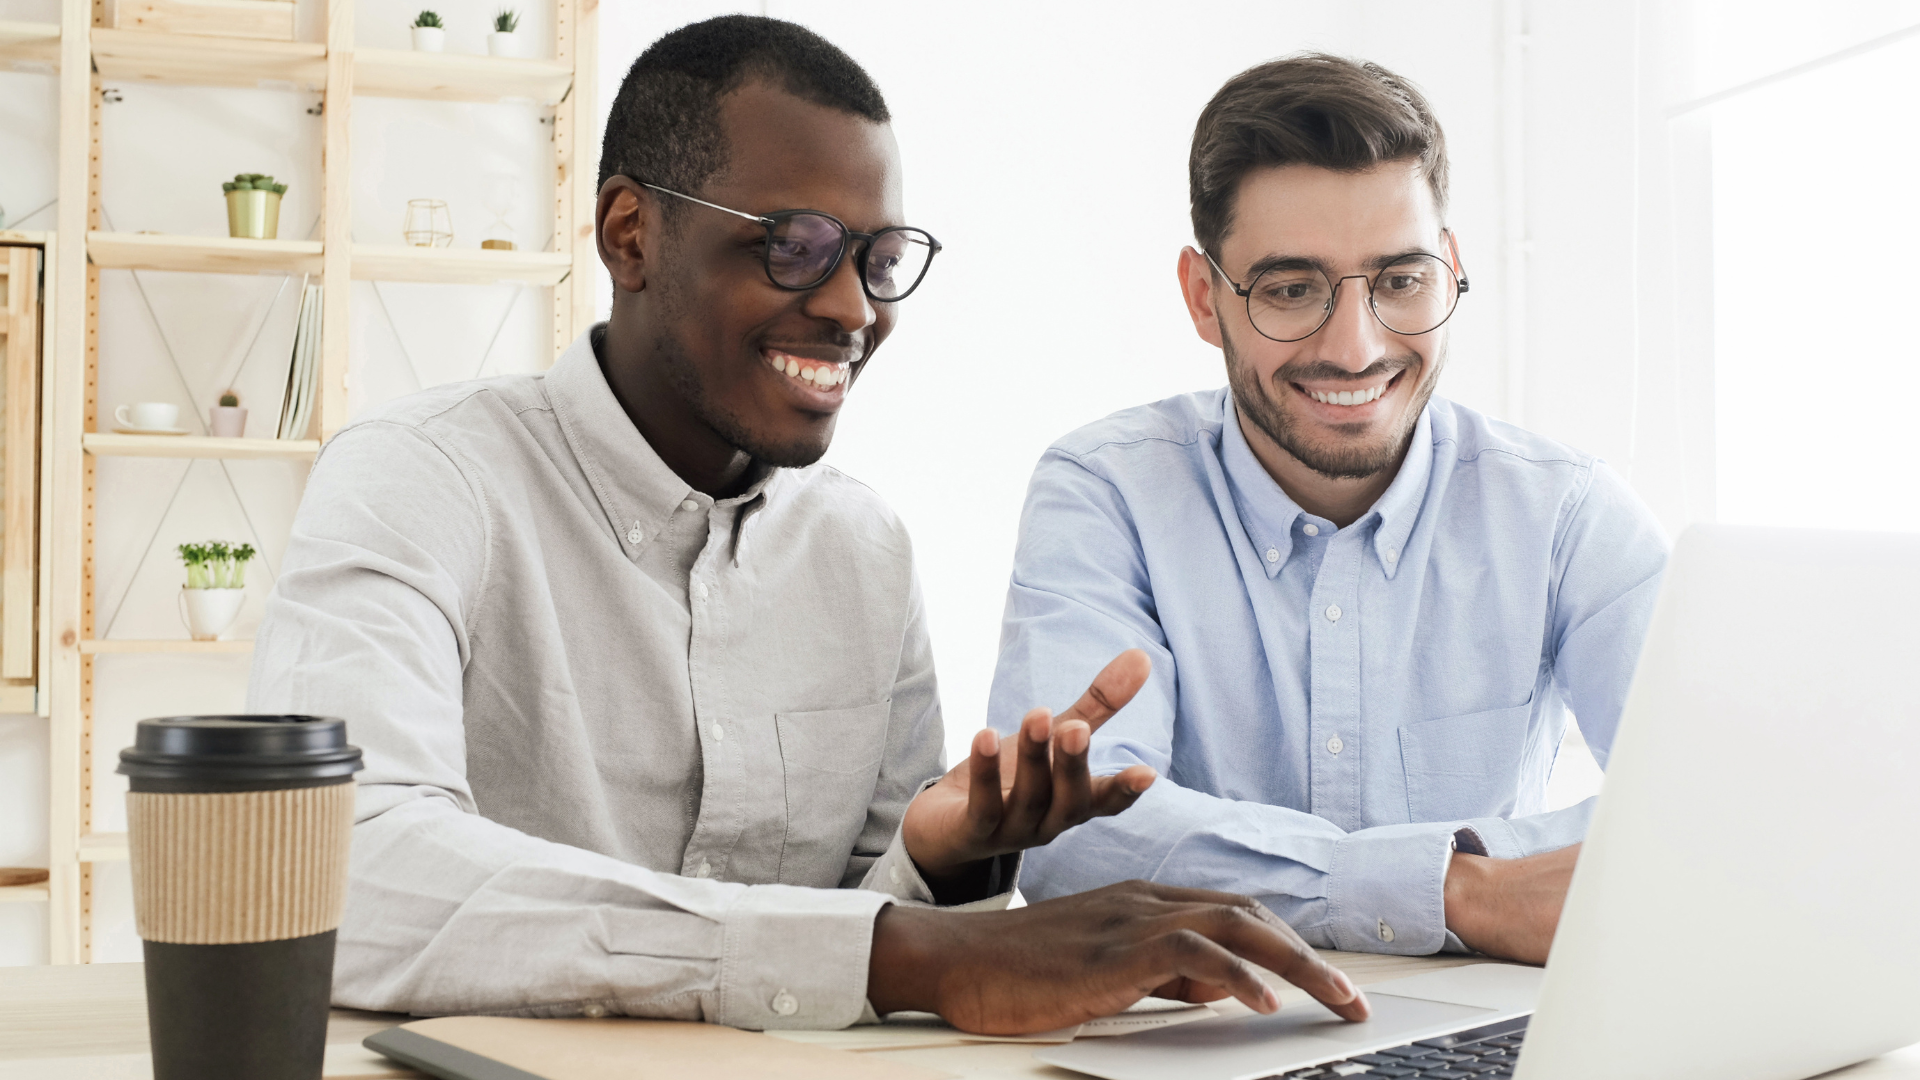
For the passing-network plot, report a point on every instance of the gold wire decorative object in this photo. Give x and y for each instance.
(429, 223)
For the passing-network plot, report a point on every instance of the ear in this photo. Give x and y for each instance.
(625, 219)
(1196, 288)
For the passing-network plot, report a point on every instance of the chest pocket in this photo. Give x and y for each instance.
(1465, 766)
(831, 761)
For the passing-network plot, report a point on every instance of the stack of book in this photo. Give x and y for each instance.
(296, 409)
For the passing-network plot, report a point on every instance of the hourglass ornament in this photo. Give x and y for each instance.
(429, 223)
(502, 195)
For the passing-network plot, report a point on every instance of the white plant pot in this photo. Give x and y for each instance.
(429, 39)
(208, 612)
(503, 44)
(227, 421)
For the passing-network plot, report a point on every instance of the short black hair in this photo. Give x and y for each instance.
(664, 127)
(1307, 109)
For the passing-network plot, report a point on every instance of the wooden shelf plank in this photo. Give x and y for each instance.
(103, 847)
(22, 893)
(457, 266)
(115, 444)
(454, 77)
(35, 43)
(193, 60)
(164, 645)
(201, 254)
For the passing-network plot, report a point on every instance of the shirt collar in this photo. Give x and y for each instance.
(1268, 513)
(636, 489)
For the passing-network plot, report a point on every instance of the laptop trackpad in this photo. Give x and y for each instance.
(1255, 1046)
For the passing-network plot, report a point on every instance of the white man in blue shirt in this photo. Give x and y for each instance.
(1370, 611)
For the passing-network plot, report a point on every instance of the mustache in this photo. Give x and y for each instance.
(1321, 371)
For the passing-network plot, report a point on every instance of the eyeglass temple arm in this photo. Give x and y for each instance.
(1231, 284)
(723, 209)
(1459, 268)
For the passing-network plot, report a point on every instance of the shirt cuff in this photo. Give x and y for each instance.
(895, 874)
(797, 958)
(1386, 889)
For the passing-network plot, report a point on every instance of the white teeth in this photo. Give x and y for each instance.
(808, 374)
(820, 376)
(1348, 397)
(793, 366)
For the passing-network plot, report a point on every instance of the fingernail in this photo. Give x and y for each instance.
(1345, 984)
(1142, 783)
(1269, 1001)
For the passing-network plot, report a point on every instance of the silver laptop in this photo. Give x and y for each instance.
(1747, 905)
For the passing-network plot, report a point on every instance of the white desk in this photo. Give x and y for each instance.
(90, 1023)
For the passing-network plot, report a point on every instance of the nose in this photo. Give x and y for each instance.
(1352, 337)
(841, 298)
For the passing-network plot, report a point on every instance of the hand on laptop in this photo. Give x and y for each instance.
(1071, 959)
(1509, 908)
(998, 802)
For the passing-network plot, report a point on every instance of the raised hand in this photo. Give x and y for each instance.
(997, 802)
(1075, 958)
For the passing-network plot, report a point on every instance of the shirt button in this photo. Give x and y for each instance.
(719, 733)
(634, 535)
(785, 1004)
(893, 874)
(699, 590)
(689, 505)
(1334, 745)
(1333, 612)
(704, 871)
(593, 1010)
(1311, 529)
(1386, 932)
(1392, 556)
(1273, 554)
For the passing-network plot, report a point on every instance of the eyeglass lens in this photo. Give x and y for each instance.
(807, 247)
(1412, 296)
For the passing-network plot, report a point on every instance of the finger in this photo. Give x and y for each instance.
(1033, 780)
(1256, 934)
(1192, 956)
(984, 807)
(1112, 794)
(1072, 786)
(1112, 689)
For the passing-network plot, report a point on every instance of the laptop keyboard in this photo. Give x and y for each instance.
(1482, 1053)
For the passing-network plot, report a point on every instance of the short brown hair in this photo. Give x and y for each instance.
(1308, 109)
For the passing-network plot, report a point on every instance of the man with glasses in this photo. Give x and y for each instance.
(646, 694)
(1369, 610)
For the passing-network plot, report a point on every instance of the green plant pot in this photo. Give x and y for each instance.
(254, 215)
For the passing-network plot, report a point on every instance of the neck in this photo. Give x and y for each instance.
(642, 383)
(1340, 500)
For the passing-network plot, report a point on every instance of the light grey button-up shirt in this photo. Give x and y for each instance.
(628, 748)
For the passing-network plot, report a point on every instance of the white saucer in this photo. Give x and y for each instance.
(118, 430)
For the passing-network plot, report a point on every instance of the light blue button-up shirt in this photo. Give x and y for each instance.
(1331, 710)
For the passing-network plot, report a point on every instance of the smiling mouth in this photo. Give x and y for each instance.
(1350, 398)
(815, 375)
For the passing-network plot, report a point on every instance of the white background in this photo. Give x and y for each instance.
(1630, 270)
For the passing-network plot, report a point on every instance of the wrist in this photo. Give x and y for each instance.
(903, 965)
(1464, 894)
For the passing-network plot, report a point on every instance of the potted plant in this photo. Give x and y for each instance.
(503, 41)
(429, 33)
(216, 584)
(227, 419)
(253, 206)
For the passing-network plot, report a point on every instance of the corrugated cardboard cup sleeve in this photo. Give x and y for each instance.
(231, 868)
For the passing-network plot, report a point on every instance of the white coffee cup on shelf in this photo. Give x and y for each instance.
(147, 415)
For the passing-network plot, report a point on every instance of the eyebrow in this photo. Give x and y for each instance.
(1309, 262)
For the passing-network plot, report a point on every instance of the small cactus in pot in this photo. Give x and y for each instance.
(253, 206)
(227, 420)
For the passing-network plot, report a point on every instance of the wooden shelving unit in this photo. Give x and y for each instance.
(102, 444)
(87, 57)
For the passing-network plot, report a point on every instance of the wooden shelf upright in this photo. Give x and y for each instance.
(88, 57)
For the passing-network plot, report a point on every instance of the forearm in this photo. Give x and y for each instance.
(451, 913)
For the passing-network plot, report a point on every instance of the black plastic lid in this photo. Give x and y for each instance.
(239, 753)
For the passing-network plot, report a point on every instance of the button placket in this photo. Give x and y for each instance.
(1334, 721)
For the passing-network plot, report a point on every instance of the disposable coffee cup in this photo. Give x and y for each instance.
(238, 828)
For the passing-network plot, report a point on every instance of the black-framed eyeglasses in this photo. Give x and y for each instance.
(804, 248)
(1414, 294)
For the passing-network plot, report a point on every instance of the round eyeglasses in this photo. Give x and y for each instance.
(804, 248)
(1413, 294)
